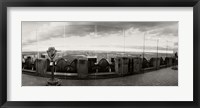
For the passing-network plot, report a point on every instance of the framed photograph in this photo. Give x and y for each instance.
(99, 53)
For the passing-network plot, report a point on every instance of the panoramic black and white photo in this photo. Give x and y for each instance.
(99, 53)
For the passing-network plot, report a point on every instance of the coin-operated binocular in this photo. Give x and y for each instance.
(52, 81)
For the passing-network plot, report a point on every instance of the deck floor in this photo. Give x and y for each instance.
(162, 77)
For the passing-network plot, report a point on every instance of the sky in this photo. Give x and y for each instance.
(106, 36)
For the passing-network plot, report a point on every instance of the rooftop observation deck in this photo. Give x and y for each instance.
(162, 77)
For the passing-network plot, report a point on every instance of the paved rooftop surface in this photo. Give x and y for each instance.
(162, 77)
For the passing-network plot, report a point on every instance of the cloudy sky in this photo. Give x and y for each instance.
(108, 36)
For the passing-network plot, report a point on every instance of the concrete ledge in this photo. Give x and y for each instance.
(30, 71)
(90, 76)
(62, 74)
(107, 73)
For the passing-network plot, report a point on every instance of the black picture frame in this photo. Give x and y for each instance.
(99, 3)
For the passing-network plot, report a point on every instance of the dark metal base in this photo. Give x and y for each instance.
(54, 82)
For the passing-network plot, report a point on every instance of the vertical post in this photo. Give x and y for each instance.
(174, 54)
(144, 44)
(143, 52)
(64, 30)
(123, 53)
(167, 49)
(65, 37)
(157, 47)
(157, 55)
(124, 38)
(37, 41)
(36, 33)
(143, 48)
(52, 70)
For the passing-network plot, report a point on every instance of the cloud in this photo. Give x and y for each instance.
(39, 31)
(42, 31)
(170, 30)
(107, 30)
(79, 30)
